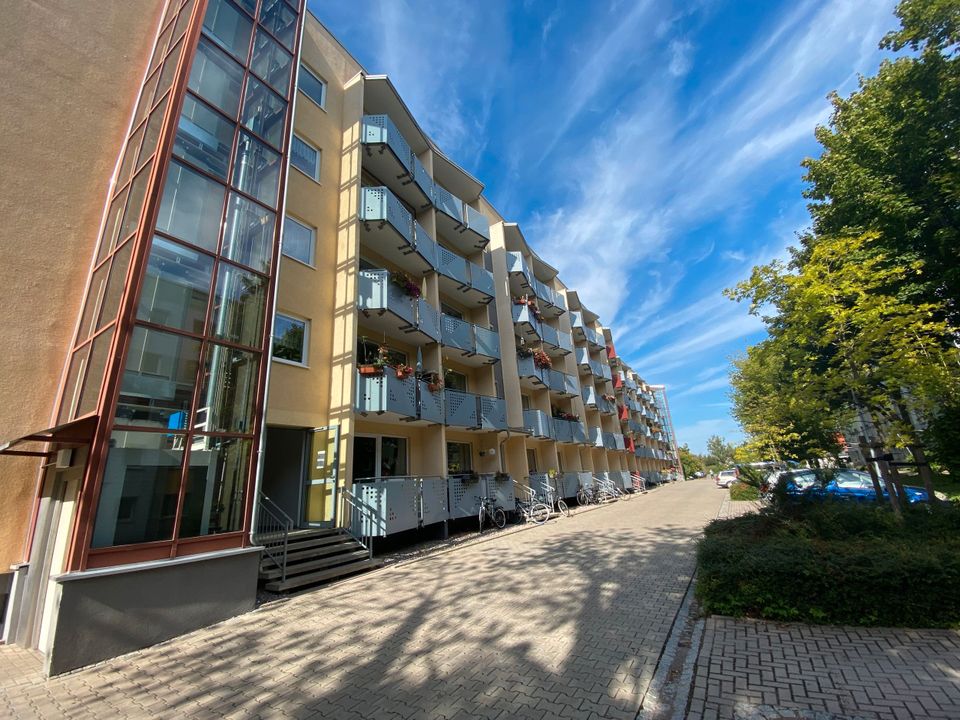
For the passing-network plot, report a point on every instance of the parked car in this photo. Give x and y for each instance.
(698, 474)
(852, 485)
(726, 478)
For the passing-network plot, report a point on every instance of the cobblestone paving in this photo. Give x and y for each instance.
(564, 620)
(757, 670)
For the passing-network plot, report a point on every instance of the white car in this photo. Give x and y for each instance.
(726, 478)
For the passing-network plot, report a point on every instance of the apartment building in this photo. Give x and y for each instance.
(276, 309)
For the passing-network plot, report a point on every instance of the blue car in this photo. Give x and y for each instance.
(853, 485)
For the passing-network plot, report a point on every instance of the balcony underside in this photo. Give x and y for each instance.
(463, 291)
(467, 357)
(380, 160)
(381, 236)
(385, 323)
(456, 233)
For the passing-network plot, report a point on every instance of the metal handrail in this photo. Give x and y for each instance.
(273, 532)
(362, 518)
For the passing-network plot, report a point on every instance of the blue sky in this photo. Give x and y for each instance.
(660, 140)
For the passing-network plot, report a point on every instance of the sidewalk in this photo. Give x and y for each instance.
(564, 620)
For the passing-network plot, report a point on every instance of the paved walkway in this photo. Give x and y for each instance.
(565, 620)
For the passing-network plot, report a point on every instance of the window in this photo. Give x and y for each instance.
(238, 306)
(531, 460)
(256, 170)
(459, 458)
(305, 157)
(248, 237)
(264, 112)
(298, 240)
(451, 311)
(216, 78)
(204, 138)
(455, 381)
(368, 352)
(229, 27)
(213, 502)
(191, 207)
(393, 456)
(271, 63)
(290, 337)
(312, 86)
(379, 456)
(177, 286)
(281, 20)
(228, 390)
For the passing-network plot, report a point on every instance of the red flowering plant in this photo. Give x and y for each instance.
(542, 360)
(405, 283)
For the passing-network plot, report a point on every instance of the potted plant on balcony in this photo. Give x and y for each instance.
(534, 308)
(403, 371)
(405, 283)
(501, 477)
(524, 352)
(542, 360)
(375, 366)
(519, 299)
(470, 477)
(433, 380)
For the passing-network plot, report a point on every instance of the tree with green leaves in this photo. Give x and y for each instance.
(690, 461)
(891, 158)
(719, 453)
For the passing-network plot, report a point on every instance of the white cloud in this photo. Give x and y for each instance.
(735, 255)
(681, 57)
(707, 386)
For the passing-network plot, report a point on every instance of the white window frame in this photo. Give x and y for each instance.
(316, 76)
(316, 177)
(378, 456)
(305, 362)
(313, 243)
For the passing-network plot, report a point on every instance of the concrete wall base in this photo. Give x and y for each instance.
(107, 612)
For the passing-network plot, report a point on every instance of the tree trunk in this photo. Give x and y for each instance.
(867, 453)
(884, 471)
(923, 467)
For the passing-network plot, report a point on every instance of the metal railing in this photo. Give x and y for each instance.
(363, 519)
(273, 532)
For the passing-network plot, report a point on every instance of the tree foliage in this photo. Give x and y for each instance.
(719, 453)
(690, 461)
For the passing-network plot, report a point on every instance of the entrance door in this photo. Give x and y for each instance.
(320, 492)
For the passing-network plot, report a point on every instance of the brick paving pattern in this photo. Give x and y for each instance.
(564, 620)
(757, 670)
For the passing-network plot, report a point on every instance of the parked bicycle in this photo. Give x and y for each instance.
(594, 494)
(612, 488)
(550, 496)
(491, 510)
(639, 483)
(529, 508)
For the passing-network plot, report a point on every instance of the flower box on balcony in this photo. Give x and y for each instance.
(370, 369)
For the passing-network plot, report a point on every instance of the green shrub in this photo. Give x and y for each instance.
(834, 563)
(743, 491)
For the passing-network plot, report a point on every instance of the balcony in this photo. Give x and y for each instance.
(561, 383)
(617, 380)
(387, 227)
(537, 423)
(553, 303)
(530, 375)
(630, 383)
(388, 156)
(582, 356)
(589, 395)
(525, 322)
(628, 444)
(465, 228)
(623, 413)
(553, 341)
(606, 406)
(474, 412)
(605, 372)
(619, 442)
(396, 399)
(463, 279)
(469, 343)
(389, 310)
(595, 437)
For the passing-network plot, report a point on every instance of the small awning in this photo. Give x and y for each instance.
(72, 434)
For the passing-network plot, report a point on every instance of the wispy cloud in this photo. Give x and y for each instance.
(700, 388)
(681, 57)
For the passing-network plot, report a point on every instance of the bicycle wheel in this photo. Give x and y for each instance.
(562, 507)
(539, 513)
(498, 518)
(582, 498)
(480, 516)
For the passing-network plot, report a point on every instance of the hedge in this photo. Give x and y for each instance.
(826, 563)
(743, 491)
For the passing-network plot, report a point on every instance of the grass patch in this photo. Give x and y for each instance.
(743, 491)
(834, 563)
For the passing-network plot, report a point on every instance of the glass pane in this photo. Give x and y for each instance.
(279, 19)
(131, 215)
(91, 309)
(204, 138)
(191, 207)
(249, 5)
(146, 98)
(138, 498)
(168, 71)
(183, 19)
(176, 288)
(264, 112)
(288, 337)
(96, 366)
(112, 226)
(228, 26)
(238, 306)
(133, 148)
(459, 458)
(298, 240)
(393, 456)
(248, 238)
(272, 63)
(311, 86)
(364, 458)
(216, 78)
(158, 380)
(216, 480)
(229, 387)
(152, 135)
(256, 170)
(71, 388)
(305, 157)
(115, 285)
(160, 49)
